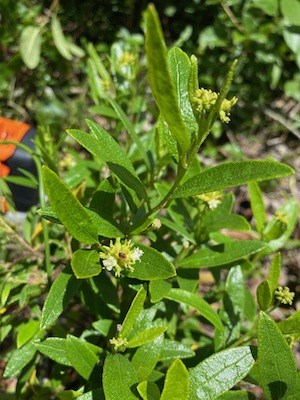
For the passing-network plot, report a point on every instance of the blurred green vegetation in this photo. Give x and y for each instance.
(263, 35)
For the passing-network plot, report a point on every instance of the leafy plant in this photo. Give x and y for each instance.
(124, 317)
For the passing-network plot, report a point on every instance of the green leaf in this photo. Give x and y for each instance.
(103, 146)
(172, 349)
(236, 395)
(291, 325)
(158, 289)
(214, 222)
(103, 326)
(97, 91)
(277, 365)
(68, 209)
(80, 355)
(148, 391)
(232, 174)
(270, 7)
(191, 299)
(76, 50)
(27, 331)
(264, 295)
(274, 273)
(220, 372)
(49, 214)
(232, 308)
(153, 265)
(161, 83)
(86, 263)
(62, 290)
(30, 46)
(257, 205)
(119, 378)
(177, 383)
(221, 254)
(146, 357)
(179, 67)
(21, 357)
(291, 11)
(101, 69)
(134, 311)
(59, 39)
(146, 336)
(54, 348)
(105, 227)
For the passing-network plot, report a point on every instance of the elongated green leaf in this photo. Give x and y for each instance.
(30, 46)
(104, 74)
(183, 296)
(177, 383)
(103, 146)
(119, 378)
(68, 209)
(179, 67)
(86, 263)
(54, 348)
(62, 290)
(232, 174)
(146, 336)
(274, 274)
(277, 365)
(134, 311)
(264, 296)
(146, 357)
(82, 358)
(130, 129)
(97, 91)
(162, 86)
(222, 254)
(257, 205)
(148, 391)
(153, 265)
(59, 39)
(172, 349)
(27, 331)
(219, 373)
(21, 357)
(232, 308)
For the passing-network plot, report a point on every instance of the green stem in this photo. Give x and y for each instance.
(164, 203)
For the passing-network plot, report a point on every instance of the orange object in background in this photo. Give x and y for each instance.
(14, 159)
(13, 131)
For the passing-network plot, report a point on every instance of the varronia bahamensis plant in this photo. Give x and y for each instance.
(124, 318)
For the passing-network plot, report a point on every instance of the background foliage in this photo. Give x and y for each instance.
(60, 308)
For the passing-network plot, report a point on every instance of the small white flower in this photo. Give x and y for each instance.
(156, 223)
(213, 203)
(110, 263)
(137, 254)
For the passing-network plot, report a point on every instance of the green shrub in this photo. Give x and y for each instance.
(113, 310)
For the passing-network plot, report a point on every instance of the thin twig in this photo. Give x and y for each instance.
(283, 121)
